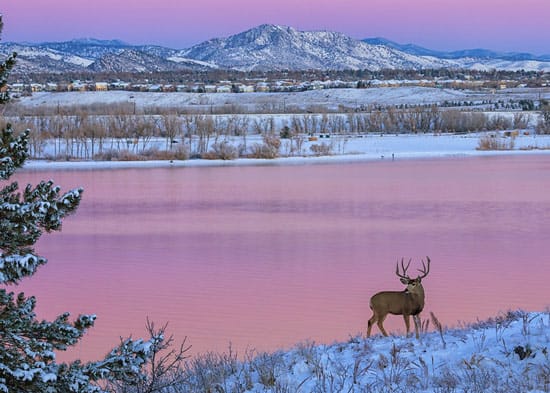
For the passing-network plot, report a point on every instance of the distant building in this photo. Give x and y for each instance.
(262, 87)
(246, 89)
(52, 86)
(154, 88)
(223, 89)
(101, 86)
(77, 86)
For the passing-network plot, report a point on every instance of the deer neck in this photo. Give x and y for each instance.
(417, 293)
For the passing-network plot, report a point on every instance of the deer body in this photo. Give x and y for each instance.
(408, 302)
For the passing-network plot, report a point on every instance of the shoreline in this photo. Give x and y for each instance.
(38, 165)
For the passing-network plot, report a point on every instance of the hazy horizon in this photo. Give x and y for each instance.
(498, 25)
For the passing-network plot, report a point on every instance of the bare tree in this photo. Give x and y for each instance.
(165, 369)
(171, 126)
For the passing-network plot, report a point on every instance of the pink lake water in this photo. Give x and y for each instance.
(266, 257)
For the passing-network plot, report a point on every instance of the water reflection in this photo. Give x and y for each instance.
(265, 257)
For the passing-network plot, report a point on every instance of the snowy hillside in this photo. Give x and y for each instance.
(131, 60)
(510, 353)
(330, 99)
(269, 47)
(38, 59)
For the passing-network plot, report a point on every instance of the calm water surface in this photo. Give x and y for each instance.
(266, 257)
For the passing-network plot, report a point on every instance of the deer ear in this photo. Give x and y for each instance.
(404, 281)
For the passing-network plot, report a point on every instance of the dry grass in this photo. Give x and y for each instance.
(496, 362)
(150, 154)
(494, 142)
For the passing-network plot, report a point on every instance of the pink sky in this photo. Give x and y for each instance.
(438, 24)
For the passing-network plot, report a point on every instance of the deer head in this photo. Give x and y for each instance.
(408, 302)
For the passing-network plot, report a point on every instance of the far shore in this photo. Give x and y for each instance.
(302, 160)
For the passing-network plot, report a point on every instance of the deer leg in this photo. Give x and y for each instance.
(371, 322)
(380, 326)
(407, 323)
(416, 319)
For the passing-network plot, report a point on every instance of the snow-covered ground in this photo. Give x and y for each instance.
(343, 149)
(510, 353)
(329, 98)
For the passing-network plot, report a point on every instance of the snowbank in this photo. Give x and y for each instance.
(507, 354)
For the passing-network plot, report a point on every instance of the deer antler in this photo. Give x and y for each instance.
(425, 270)
(404, 268)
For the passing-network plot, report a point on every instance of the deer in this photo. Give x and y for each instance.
(407, 302)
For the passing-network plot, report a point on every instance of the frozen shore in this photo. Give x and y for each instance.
(346, 150)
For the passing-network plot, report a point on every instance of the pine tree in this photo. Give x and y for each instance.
(28, 346)
(5, 68)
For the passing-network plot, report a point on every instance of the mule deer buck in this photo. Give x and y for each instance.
(408, 302)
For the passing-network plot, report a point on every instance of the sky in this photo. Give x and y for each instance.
(504, 25)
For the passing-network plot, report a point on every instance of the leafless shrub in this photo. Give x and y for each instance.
(543, 125)
(127, 155)
(210, 372)
(521, 120)
(165, 369)
(478, 377)
(268, 367)
(542, 128)
(307, 351)
(297, 143)
(264, 125)
(499, 122)
(107, 155)
(223, 150)
(446, 381)
(180, 153)
(393, 370)
(494, 142)
(268, 149)
(321, 149)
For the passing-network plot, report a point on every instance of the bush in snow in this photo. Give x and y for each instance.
(268, 149)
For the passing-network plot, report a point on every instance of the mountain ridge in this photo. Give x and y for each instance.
(265, 47)
(476, 52)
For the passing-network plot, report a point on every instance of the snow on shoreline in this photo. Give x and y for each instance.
(364, 149)
(508, 353)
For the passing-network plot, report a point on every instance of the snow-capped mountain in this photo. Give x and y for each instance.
(271, 47)
(265, 47)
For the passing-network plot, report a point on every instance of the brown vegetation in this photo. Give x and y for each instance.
(119, 133)
(496, 142)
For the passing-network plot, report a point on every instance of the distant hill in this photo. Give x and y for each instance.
(474, 53)
(265, 47)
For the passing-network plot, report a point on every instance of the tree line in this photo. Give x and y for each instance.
(84, 136)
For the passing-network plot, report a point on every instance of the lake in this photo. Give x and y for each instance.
(266, 257)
